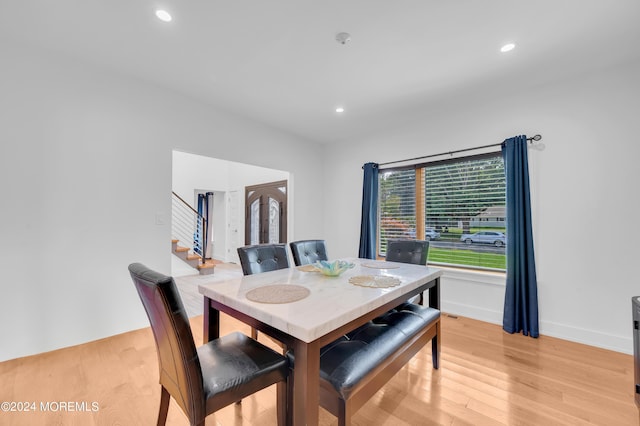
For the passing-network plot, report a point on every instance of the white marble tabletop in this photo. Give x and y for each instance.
(332, 301)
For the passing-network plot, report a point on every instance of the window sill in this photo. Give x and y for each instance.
(475, 275)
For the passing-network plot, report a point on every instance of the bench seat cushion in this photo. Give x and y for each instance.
(428, 314)
(345, 362)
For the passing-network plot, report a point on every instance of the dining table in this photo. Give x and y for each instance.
(305, 310)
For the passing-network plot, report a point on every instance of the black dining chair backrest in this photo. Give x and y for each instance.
(259, 258)
(263, 258)
(306, 252)
(408, 251)
(203, 379)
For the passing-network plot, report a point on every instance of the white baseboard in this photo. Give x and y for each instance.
(587, 337)
(473, 312)
(547, 328)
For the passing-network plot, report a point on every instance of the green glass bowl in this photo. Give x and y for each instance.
(332, 269)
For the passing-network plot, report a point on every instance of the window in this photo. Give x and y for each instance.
(459, 205)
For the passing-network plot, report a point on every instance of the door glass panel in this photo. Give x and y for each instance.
(255, 222)
(274, 221)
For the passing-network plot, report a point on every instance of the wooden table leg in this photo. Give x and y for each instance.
(434, 302)
(211, 326)
(435, 347)
(306, 383)
(434, 295)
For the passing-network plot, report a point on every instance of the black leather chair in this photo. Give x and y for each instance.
(408, 251)
(306, 252)
(262, 258)
(204, 379)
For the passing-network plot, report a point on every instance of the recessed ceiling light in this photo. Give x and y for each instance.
(507, 47)
(163, 15)
(340, 109)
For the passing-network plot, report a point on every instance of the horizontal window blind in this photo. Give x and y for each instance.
(397, 206)
(465, 198)
(463, 210)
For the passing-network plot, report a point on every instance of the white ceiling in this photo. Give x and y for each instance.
(277, 61)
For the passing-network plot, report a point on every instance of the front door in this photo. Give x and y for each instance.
(266, 213)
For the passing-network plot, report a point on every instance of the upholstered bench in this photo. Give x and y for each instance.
(354, 367)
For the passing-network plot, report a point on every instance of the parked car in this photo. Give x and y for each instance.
(498, 239)
(431, 234)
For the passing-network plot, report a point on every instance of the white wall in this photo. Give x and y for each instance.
(86, 173)
(191, 172)
(584, 196)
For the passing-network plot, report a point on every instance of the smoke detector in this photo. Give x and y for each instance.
(343, 38)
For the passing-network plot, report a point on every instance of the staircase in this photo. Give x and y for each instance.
(189, 226)
(194, 260)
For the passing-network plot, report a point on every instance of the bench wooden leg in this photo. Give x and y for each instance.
(435, 347)
(344, 413)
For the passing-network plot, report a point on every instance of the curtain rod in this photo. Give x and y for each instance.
(530, 140)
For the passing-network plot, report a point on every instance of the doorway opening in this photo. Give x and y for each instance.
(194, 174)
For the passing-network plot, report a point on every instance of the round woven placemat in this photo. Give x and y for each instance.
(376, 281)
(278, 293)
(308, 268)
(380, 265)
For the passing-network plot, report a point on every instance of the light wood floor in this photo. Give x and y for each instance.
(486, 377)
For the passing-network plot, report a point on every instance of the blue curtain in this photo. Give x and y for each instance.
(521, 295)
(369, 220)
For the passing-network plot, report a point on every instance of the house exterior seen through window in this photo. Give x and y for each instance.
(458, 205)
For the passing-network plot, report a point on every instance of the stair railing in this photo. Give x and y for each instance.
(188, 226)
